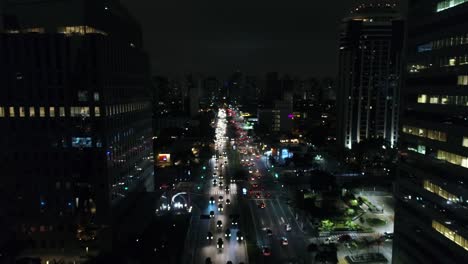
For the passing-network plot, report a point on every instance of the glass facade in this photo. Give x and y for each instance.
(447, 4)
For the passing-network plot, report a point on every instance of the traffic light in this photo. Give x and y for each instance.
(204, 167)
(276, 175)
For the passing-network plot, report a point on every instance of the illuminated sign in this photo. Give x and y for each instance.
(164, 159)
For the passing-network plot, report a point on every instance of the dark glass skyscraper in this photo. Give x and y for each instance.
(371, 45)
(431, 216)
(75, 123)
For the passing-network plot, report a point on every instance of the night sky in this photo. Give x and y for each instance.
(255, 36)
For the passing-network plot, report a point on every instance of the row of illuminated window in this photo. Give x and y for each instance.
(452, 158)
(444, 43)
(450, 234)
(434, 188)
(67, 30)
(125, 108)
(425, 133)
(74, 111)
(52, 111)
(443, 99)
(451, 61)
(446, 4)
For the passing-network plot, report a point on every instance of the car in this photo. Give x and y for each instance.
(269, 232)
(209, 236)
(227, 233)
(221, 184)
(388, 236)
(220, 207)
(227, 188)
(214, 174)
(219, 224)
(266, 251)
(228, 201)
(212, 214)
(257, 195)
(220, 198)
(235, 221)
(208, 261)
(240, 236)
(262, 205)
(284, 241)
(233, 181)
(212, 200)
(288, 227)
(220, 243)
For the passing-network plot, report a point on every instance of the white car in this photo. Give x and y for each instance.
(288, 227)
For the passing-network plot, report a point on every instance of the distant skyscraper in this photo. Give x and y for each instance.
(272, 90)
(431, 215)
(211, 89)
(75, 123)
(369, 74)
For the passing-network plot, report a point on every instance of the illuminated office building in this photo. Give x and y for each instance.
(370, 53)
(75, 123)
(431, 215)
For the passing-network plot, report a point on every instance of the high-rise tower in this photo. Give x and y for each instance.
(370, 55)
(431, 216)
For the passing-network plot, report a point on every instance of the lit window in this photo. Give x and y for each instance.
(97, 111)
(81, 142)
(80, 30)
(434, 188)
(444, 100)
(22, 113)
(96, 96)
(79, 111)
(32, 111)
(2, 111)
(42, 111)
(62, 111)
(452, 158)
(426, 133)
(462, 80)
(12, 111)
(434, 100)
(52, 111)
(465, 142)
(452, 61)
(450, 234)
(422, 99)
(33, 30)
